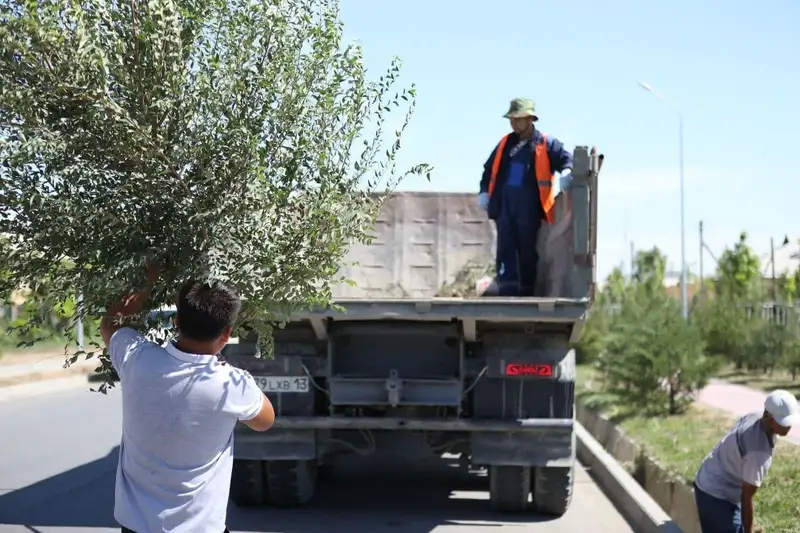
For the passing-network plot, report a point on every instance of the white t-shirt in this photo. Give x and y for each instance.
(743, 455)
(178, 415)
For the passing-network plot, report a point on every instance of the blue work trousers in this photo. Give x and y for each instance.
(517, 231)
(716, 515)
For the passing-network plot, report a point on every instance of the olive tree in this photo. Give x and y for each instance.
(235, 140)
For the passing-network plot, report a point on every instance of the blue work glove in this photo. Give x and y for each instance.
(483, 201)
(565, 181)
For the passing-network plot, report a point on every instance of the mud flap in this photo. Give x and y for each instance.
(541, 447)
(277, 444)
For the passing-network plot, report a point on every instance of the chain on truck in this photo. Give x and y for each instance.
(487, 380)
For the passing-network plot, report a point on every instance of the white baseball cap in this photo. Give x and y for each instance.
(782, 405)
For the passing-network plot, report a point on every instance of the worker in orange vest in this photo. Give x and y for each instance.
(518, 192)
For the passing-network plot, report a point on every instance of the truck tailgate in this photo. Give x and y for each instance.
(486, 309)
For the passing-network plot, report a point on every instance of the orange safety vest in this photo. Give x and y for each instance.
(544, 175)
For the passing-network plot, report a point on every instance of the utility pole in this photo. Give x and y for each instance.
(684, 298)
(772, 260)
(633, 260)
(702, 245)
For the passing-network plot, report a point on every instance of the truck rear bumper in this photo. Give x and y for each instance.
(531, 442)
(415, 424)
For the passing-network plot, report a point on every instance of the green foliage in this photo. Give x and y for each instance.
(790, 345)
(654, 359)
(731, 316)
(651, 268)
(41, 319)
(789, 285)
(592, 342)
(615, 288)
(739, 272)
(231, 140)
(726, 328)
(651, 359)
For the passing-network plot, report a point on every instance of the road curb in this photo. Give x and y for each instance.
(633, 502)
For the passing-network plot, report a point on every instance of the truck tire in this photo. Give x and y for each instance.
(291, 483)
(509, 488)
(248, 483)
(552, 489)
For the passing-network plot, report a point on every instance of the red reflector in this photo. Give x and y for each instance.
(536, 370)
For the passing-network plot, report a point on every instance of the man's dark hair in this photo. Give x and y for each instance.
(205, 310)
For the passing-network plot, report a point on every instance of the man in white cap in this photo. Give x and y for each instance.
(734, 470)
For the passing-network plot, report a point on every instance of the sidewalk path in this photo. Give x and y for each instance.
(738, 400)
(40, 366)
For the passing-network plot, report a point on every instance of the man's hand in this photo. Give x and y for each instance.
(748, 506)
(565, 181)
(483, 201)
(129, 305)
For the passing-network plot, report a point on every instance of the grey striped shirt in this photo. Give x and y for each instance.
(743, 455)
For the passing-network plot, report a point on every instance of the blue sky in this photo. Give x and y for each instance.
(734, 71)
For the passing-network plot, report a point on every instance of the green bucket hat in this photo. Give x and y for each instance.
(522, 107)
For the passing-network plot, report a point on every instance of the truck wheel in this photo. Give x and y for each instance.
(552, 489)
(291, 483)
(509, 488)
(247, 483)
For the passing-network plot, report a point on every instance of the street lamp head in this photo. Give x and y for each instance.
(645, 86)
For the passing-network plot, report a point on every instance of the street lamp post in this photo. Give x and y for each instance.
(684, 299)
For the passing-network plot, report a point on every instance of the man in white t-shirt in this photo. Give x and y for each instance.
(180, 404)
(730, 476)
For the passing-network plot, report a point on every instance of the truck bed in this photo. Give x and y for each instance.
(426, 241)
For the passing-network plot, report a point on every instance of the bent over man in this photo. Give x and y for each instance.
(731, 474)
(518, 193)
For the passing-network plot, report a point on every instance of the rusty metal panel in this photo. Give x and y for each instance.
(422, 240)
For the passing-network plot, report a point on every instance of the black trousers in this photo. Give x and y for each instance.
(126, 530)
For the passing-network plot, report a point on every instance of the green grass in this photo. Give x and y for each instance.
(681, 442)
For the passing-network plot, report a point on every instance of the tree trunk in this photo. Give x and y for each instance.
(673, 409)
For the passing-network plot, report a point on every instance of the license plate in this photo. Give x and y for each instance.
(282, 383)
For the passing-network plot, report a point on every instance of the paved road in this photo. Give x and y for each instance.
(60, 454)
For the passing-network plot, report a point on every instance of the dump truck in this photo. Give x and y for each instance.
(488, 379)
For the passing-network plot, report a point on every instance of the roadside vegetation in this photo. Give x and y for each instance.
(188, 133)
(39, 324)
(642, 364)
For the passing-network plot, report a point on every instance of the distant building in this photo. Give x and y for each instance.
(673, 288)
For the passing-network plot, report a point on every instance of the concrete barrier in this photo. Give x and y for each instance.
(659, 502)
(632, 501)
